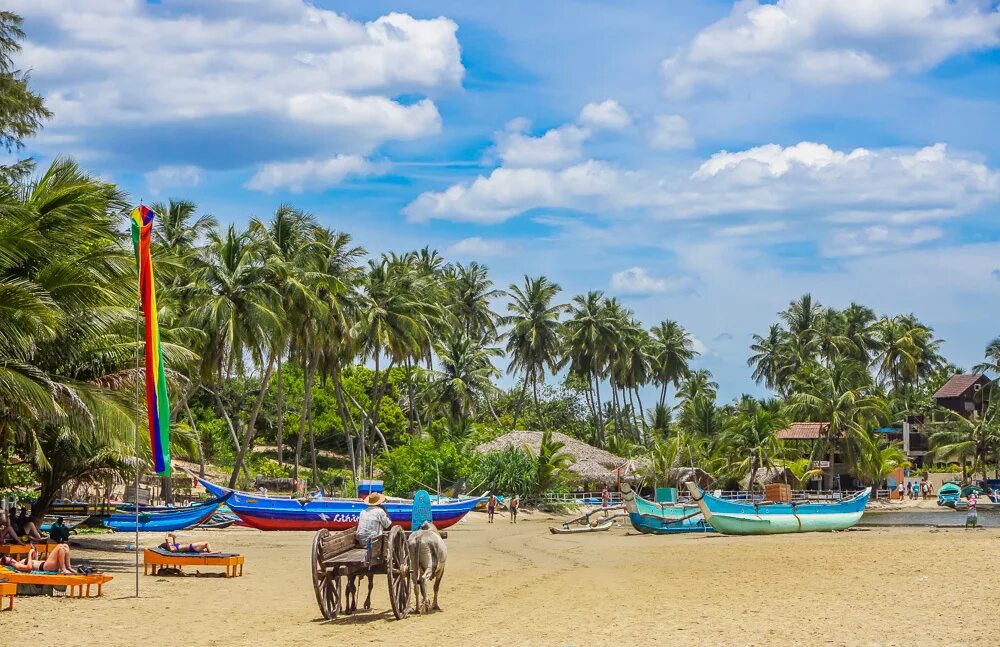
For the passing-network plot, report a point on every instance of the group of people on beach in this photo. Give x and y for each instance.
(916, 490)
(17, 525)
(513, 505)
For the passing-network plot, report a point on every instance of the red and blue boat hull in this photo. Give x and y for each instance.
(267, 513)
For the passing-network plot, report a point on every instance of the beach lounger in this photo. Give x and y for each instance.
(156, 558)
(77, 586)
(20, 551)
(8, 591)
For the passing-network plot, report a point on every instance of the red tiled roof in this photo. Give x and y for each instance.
(803, 431)
(957, 385)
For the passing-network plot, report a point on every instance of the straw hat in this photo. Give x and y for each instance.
(375, 498)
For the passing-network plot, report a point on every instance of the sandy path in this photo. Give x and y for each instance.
(520, 585)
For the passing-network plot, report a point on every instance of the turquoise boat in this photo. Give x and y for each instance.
(765, 518)
(652, 518)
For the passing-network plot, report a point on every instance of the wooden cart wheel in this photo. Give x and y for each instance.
(397, 572)
(326, 586)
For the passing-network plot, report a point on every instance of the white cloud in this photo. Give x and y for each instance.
(173, 177)
(607, 114)
(379, 117)
(670, 132)
(557, 146)
(314, 174)
(133, 63)
(477, 247)
(830, 41)
(877, 239)
(638, 280)
(809, 178)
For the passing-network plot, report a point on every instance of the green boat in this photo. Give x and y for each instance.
(766, 518)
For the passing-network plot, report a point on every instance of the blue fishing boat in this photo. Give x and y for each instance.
(164, 520)
(653, 518)
(771, 518)
(315, 513)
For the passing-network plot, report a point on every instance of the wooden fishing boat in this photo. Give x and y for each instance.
(165, 520)
(270, 513)
(766, 518)
(567, 530)
(653, 518)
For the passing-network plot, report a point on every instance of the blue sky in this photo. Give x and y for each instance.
(705, 161)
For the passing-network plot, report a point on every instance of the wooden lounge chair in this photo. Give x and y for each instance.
(7, 590)
(20, 551)
(156, 558)
(77, 586)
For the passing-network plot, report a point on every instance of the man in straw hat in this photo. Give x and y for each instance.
(373, 519)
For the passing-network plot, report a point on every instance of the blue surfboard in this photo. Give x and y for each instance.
(421, 509)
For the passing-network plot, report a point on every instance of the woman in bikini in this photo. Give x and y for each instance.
(193, 547)
(57, 561)
(7, 532)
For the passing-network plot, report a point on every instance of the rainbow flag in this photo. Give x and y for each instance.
(157, 405)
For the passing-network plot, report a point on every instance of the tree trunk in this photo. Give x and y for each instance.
(312, 434)
(600, 410)
(197, 437)
(663, 394)
(251, 426)
(642, 414)
(225, 415)
(520, 399)
(281, 413)
(538, 410)
(413, 407)
(344, 419)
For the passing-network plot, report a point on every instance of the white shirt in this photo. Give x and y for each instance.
(372, 521)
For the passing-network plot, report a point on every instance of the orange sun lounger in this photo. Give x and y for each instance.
(77, 586)
(7, 590)
(157, 558)
(20, 551)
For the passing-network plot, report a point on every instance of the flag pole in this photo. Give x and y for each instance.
(135, 446)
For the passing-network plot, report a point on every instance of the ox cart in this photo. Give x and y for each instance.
(338, 566)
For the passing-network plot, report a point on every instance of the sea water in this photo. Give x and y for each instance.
(944, 517)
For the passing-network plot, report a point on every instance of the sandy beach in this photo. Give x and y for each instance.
(520, 585)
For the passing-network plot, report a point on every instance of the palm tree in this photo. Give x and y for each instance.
(67, 329)
(841, 396)
(771, 360)
(586, 336)
(472, 290)
(396, 320)
(550, 462)
(240, 309)
(960, 439)
(291, 254)
(533, 338)
(752, 438)
(179, 229)
(698, 384)
(877, 460)
(465, 377)
(672, 351)
(992, 363)
(907, 350)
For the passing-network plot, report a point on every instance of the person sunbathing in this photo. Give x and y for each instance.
(193, 547)
(57, 561)
(7, 532)
(25, 526)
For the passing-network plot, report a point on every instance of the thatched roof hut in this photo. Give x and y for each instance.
(593, 464)
(768, 475)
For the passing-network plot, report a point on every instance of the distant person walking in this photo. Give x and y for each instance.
(972, 518)
(515, 503)
(605, 498)
(916, 490)
(491, 507)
